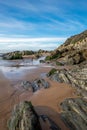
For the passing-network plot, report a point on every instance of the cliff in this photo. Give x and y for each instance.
(73, 51)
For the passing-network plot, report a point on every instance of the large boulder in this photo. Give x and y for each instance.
(24, 117)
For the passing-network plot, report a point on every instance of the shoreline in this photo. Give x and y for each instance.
(50, 98)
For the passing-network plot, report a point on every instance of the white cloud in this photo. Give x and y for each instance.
(8, 44)
(6, 40)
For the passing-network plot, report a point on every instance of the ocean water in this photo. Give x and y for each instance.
(15, 69)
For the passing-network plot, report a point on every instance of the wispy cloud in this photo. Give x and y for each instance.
(14, 23)
(44, 15)
(20, 4)
(50, 20)
(50, 26)
(30, 43)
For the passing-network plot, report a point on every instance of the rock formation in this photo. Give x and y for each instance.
(73, 51)
(75, 113)
(35, 85)
(25, 54)
(24, 117)
(77, 77)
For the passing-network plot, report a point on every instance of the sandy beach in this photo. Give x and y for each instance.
(46, 101)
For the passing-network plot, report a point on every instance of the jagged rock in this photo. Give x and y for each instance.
(77, 77)
(75, 113)
(39, 83)
(24, 117)
(34, 85)
(76, 57)
(26, 85)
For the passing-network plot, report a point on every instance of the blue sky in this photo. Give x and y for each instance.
(35, 24)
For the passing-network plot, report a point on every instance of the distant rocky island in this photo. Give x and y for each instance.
(70, 67)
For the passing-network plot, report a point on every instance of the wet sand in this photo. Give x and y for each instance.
(46, 101)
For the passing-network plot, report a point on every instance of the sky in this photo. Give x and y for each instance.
(40, 24)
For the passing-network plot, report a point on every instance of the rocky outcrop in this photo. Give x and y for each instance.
(75, 113)
(76, 57)
(25, 54)
(35, 85)
(77, 77)
(13, 55)
(24, 117)
(73, 51)
(39, 83)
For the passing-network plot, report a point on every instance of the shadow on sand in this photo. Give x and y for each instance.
(50, 119)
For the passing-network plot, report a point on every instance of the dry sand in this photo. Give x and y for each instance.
(46, 101)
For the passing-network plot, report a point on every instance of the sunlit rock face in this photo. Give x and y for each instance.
(73, 51)
(24, 117)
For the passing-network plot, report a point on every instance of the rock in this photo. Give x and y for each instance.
(39, 83)
(60, 76)
(73, 51)
(75, 113)
(76, 57)
(74, 110)
(35, 85)
(24, 117)
(77, 77)
(13, 55)
(26, 85)
(44, 83)
(42, 61)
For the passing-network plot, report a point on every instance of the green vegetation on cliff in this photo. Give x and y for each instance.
(16, 56)
(73, 51)
(21, 54)
(28, 52)
(13, 56)
(53, 56)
